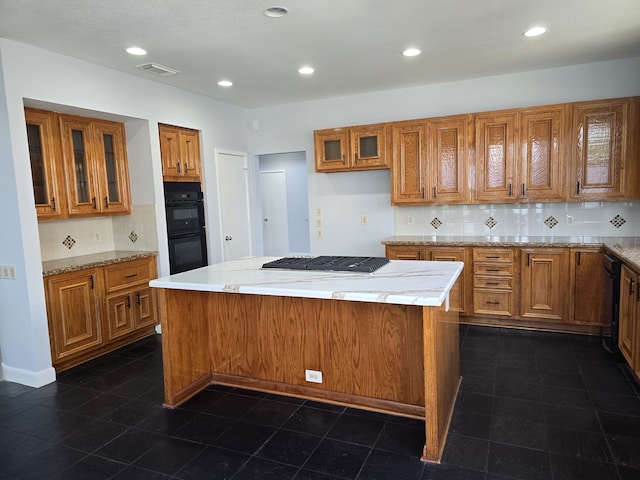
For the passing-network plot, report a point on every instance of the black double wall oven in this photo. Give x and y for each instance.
(185, 226)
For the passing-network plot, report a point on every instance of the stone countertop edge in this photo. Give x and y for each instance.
(73, 264)
(626, 249)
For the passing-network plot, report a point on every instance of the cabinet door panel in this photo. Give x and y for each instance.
(405, 253)
(332, 149)
(409, 169)
(457, 293)
(46, 164)
(145, 308)
(545, 284)
(540, 142)
(190, 153)
(495, 156)
(113, 172)
(588, 277)
(368, 145)
(598, 135)
(120, 320)
(81, 176)
(74, 318)
(170, 151)
(627, 328)
(447, 156)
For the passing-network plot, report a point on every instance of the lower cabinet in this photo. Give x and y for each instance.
(544, 288)
(629, 331)
(93, 311)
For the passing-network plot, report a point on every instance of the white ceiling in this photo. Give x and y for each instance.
(354, 45)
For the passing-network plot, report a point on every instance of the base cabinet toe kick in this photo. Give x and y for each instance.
(392, 358)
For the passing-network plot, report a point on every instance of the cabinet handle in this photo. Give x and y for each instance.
(528, 260)
(631, 282)
(435, 192)
(492, 303)
(95, 205)
(106, 202)
(578, 188)
(509, 191)
(343, 161)
(578, 258)
(179, 166)
(53, 204)
(128, 301)
(637, 294)
(131, 275)
(492, 283)
(186, 168)
(422, 192)
(492, 256)
(138, 298)
(492, 270)
(523, 189)
(91, 282)
(431, 256)
(355, 157)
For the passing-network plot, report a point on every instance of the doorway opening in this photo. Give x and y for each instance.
(284, 204)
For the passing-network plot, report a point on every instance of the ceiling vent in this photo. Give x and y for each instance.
(158, 69)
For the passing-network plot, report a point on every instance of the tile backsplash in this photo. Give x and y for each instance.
(604, 219)
(83, 236)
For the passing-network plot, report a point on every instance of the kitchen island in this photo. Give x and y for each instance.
(384, 341)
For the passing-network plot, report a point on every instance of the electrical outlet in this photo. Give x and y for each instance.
(569, 219)
(318, 222)
(364, 220)
(98, 238)
(8, 271)
(410, 220)
(318, 233)
(313, 376)
(318, 212)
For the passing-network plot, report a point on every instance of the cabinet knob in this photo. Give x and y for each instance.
(228, 238)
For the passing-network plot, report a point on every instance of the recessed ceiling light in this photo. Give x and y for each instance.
(225, 83)
(535, 31)
(306, 70)
(275, 12)
(411, 52)
(136, 51)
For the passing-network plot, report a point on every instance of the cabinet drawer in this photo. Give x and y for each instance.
(480, 281)
(492, 302)
(492, 255)
(493, 269)
(122, 275)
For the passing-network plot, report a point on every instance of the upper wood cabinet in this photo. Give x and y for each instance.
(46, 169)
(180, 153)
(95, 161)
(352, 148)
(605, 146)
(518, 154)
(429, 163)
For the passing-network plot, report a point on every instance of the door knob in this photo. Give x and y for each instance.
(266, 219)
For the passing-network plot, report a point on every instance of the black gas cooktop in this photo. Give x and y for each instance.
(333, 263)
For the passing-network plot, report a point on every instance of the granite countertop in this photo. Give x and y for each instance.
(72, 264)
(625, 248)
(397, 282)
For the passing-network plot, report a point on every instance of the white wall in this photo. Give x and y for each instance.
(46, 79)
(344, 197)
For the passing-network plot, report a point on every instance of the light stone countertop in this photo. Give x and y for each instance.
(626, 249)
(72, 264)
(397, 282)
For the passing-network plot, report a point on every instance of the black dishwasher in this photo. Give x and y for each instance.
(612, 305)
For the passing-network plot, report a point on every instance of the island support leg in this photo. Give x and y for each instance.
(441, 377)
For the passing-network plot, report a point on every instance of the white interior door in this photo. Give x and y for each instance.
(275, 219)
(233, 199)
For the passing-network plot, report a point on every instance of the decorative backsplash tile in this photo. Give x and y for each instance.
(490, 222)
(551, 222)
(617, 221)
(133, 236)
(69, 242)
(436, 222)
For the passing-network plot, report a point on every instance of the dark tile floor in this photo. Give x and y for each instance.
(532, 406)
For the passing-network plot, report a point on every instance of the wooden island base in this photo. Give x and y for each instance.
(397, 359)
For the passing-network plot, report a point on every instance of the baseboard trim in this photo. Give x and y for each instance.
(27, 377)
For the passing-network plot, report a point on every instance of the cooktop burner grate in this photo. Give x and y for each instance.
(331, 263)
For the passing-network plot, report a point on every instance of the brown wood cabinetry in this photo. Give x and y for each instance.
(518, 154)
(180, 153)
(95, 160)
(545, 283)
(605, 138)
(587, 284)
(93, 311)
(430, 161)
(629, 331)
(46, 169)
(459, 297)
(494, 274)
(352, 148)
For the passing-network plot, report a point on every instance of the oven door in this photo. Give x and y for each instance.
(187, 252)
(184, 218)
